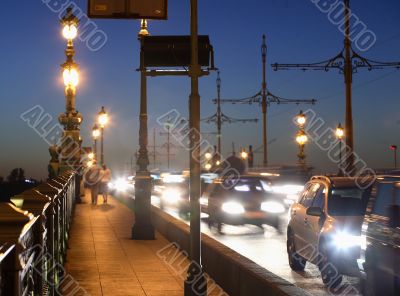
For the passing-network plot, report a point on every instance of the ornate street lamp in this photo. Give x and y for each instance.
(301, 139)
(301, 119)
(244, 155)
(208, 155)
(143, 228)
(95, 135)
(339, 135)
(208, 166)
(102, 121)
(71, 119)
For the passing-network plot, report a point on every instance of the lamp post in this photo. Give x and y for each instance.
(195, 283)
(301, 139)
(143, 229)
(71, 119)
(208, 155)
(243, 154)
(339, 135)
(95, 134)
(102, 120)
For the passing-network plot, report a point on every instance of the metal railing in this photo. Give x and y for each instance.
(34, 237)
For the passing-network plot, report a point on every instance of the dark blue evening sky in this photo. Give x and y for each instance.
(32, 50)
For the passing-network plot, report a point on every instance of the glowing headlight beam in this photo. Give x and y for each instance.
(272, 207)
(233, 207)
(345, 240)
(171, 196)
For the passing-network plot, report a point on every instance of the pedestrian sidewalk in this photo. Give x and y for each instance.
(103, 260)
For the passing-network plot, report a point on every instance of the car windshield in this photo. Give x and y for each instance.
(243, 185)
(347, 201)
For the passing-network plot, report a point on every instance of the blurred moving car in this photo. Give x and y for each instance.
(286, 187)
(325, 226)
(380, 257)
(122, 185)
(173, 191)
(241, 201)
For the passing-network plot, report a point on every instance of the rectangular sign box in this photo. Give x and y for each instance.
(174, 51)
(128, 9)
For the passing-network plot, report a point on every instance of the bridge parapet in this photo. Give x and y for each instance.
(34, 237)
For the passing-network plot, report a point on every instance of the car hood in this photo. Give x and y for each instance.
(351, 224)
(249, 201)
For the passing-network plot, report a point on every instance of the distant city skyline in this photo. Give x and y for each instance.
(297, 32)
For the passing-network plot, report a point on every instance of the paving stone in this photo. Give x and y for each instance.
(104, 260)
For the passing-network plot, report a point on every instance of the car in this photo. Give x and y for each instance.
(325, 226)
(173, 191)
(380, 258)
(122, 186)
(239, 201)
(286, 187)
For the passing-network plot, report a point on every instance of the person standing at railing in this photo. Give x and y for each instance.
(92, 180)
(105, 179)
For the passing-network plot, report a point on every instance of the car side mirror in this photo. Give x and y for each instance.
(394, 216)
(314, 211)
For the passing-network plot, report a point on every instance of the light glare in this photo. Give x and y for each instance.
(71, 77)
(233, 207)
(70, 32)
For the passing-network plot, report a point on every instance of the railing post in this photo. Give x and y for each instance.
(7, 278)
(54, 233)
(39, 205)
(17, 227)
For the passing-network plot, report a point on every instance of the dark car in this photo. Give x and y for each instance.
(173, 190)
(241, 201)
(380, 257)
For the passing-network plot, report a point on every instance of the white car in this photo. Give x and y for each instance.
(325, 227)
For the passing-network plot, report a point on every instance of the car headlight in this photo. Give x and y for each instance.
(171, 195)
(204, 201)
(233, 207)
(273, 207)
(343, 240)
(121, 185)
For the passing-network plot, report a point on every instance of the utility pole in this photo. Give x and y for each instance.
(348, 61)
(167, 125)
(154, 147)
(195, 272)
(265, 98)
(220, 118)
(143, 228)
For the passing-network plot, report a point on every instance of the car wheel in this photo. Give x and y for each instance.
(329, 274)
(210, 224)
(278, 225)
(296, 262)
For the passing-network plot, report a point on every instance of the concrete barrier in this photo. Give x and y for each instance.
(236, 274)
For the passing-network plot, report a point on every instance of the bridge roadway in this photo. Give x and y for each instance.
(268, 249)
(104, 260)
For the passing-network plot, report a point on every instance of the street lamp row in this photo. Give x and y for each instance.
(98, 131)
(302, 139)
